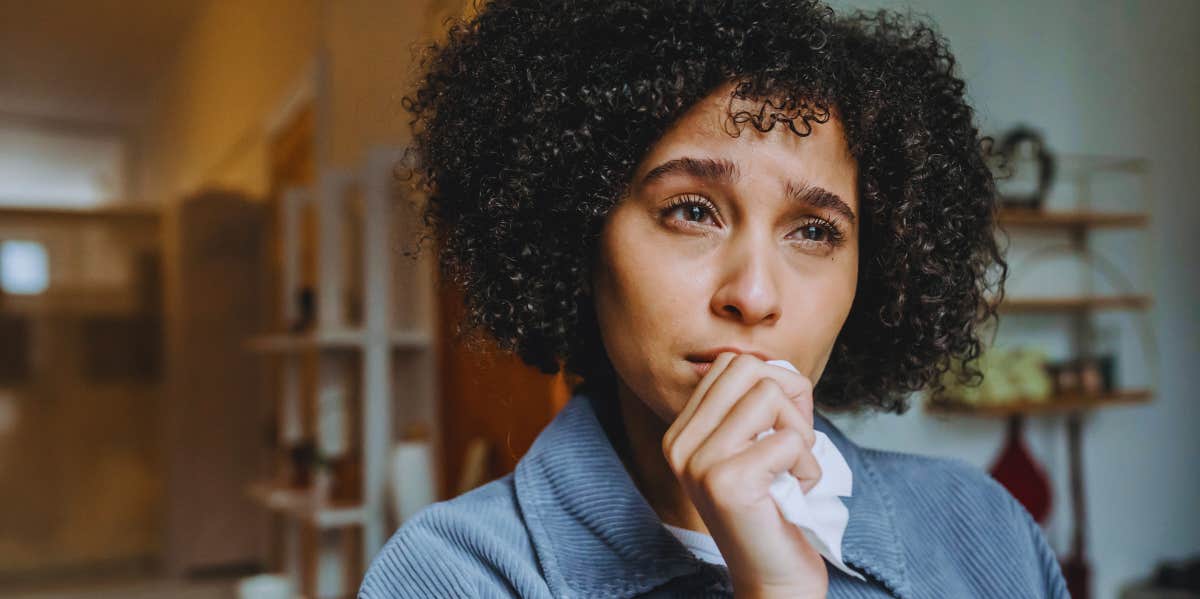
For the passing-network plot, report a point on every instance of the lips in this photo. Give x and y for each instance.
(709, 355)
(702, 361)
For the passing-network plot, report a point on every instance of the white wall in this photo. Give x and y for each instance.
(1100, 78)
(56, 164)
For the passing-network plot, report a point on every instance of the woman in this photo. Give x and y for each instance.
(660, 197)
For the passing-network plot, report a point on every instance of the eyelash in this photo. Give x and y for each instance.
(834, 236)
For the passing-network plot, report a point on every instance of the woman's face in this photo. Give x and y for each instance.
(745, 243)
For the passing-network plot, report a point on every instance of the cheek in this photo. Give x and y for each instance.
(647, 286)
(643, 299)
(644, 303)
(823, 319)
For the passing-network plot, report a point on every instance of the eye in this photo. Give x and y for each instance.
(818, 230)
(690, 208)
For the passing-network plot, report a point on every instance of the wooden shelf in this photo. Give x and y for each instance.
(301, 505)
(1064, 304)
(1043, 219)
(1065, 403)
(110, 212)
(345, 339)
(1075, 163)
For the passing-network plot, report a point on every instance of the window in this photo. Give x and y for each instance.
(24, 267)
(42, 166)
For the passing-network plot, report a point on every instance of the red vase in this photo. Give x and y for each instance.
(1016, 469)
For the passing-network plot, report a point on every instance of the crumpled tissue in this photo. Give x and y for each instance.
(819, 514)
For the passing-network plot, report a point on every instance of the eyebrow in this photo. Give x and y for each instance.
(712, 169)
(719, 170)
(818, 197)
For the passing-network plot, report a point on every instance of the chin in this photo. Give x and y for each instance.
(659, 399)
(665, 412)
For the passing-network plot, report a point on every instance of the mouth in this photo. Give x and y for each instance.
(702, 361)
(701, 367)
(709, 355)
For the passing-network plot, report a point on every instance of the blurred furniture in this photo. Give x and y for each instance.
(1086, 173)
(1171, 580)
(337, 374)
(475, 465)
(266, 586)
(80, 390)
(210, 434)
(412, 480)
(492, 395)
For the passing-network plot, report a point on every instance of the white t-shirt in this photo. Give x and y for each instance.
(700, 544)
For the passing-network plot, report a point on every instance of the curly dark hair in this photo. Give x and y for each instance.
(531, 117)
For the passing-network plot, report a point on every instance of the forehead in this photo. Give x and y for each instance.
(708, 129)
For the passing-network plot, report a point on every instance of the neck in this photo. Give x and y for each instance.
(637, 432)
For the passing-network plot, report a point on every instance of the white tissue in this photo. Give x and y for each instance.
(821, 516)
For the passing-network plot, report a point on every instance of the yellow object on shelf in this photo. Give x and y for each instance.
(1009, 375)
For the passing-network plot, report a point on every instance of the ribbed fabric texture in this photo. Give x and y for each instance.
(570, 523)
(701, 545)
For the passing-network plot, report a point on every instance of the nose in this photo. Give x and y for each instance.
(747, 291)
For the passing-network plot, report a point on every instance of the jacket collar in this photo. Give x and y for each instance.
(596, 536)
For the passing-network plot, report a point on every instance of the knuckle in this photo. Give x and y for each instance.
(792, 438)
(810, 477)
(742, 358)
(692, 471)
(674, 459)
(777, 396)
(769, 393)
(741, 361)
(717, 479)
(813, 473)
(805, 382)
(769, 385)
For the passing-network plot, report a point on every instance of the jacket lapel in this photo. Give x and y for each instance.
(596, 536)
(870, 544)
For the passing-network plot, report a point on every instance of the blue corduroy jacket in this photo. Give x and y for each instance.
(570, 523)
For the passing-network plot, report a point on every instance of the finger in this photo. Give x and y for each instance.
(763, 460)
(720, 363)
(806, 469)
(764, 407)
(742, 373)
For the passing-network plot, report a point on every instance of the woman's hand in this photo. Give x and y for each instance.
(727, 475)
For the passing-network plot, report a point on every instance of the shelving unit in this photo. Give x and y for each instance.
(1077, 223)
(1070, 304)
(1055, 405)
(338, 371)
(1041, 219)
(347, 339)
(302, 506)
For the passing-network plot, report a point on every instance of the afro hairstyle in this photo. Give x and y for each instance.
(530, 117)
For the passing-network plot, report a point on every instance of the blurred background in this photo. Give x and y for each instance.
(222, 372)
